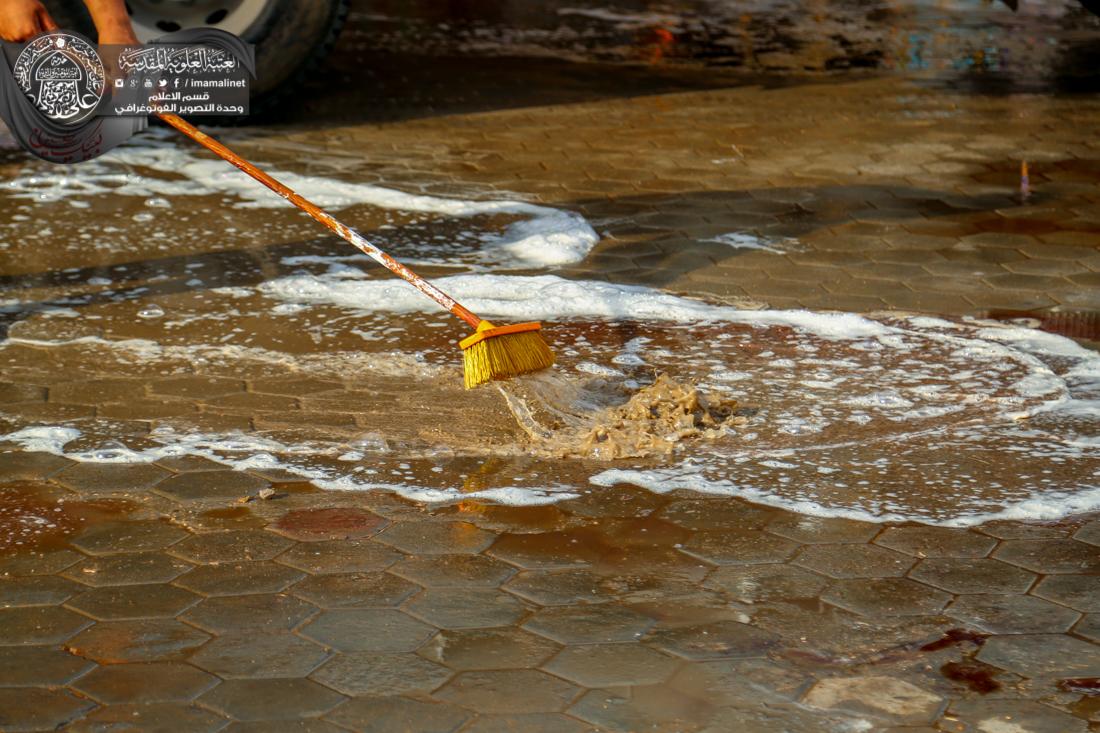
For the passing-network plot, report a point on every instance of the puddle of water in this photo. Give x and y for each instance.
(33, 518)
(883, 418)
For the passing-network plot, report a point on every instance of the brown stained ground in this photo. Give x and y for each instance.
(182, 596)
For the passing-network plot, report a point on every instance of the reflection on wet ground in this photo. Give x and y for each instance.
(878, 418)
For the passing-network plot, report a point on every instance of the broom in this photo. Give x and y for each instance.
(491, 352)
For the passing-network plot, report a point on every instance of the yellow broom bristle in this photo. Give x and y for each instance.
(505, 356)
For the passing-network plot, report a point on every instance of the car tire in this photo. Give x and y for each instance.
(292, 37)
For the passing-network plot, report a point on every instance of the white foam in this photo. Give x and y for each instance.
(244, 452)
(544, 237)
(548, 297)
(1045, 506)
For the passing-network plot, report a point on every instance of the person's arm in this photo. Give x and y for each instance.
(112, 22)
(21, 20)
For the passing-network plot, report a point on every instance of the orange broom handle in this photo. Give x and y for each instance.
(346, 233)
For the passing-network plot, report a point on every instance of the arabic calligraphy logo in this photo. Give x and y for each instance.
(63, 75)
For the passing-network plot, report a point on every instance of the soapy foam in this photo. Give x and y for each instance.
(314, 462)
(548, 297)
(538, 236)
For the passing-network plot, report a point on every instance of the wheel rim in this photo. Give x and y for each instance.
(152, 18)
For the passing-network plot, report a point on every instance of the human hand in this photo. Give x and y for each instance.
(21, 20)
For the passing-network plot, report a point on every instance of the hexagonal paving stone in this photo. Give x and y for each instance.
(642, 708)
(589, 624)
(822, 530)
(527, 723)
(39, 625)
(156, 717)
(38, 564)
(509, 691)
(304, 725)
(612, 665)
(31, 708)
(1050, 556)
(143, 683)
(355, 590)
(314, 525)
(1003, 614)
(1089, 533)
(368, 673)
(211, 485)
(109, 539)
(1081, 592)
(718, 640)
(854, 561)
(130, 569)
(972, 575)
(231, 546)
(114, 642)
(559, 587)
(1015, 715)
(389, 714)
(30, 666)
(271, 699)
(924, 541)
(437, 538)
(545, 551)
(472, 571)
(620, 501)
(1010, 530)
(134, 601)
(91, 478)
(368, 629)
(45, 591)
(1042, 655)
(255, 613)
(339, 556)
(709, 514)
(885, 597)
(260, 656)
(1089, 627)
(196, 386)
(733, 681)
(11, 392)
(889, 698)
(188, 464)
(757, 583)
(30, 465)
(488, 649)
(466, 608)
(240, 578)
(722, 547)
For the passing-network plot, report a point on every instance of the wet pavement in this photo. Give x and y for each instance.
(243, 489)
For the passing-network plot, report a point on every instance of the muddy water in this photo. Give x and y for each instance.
(565, 419)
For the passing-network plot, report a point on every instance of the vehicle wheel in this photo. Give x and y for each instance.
(292, 37)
